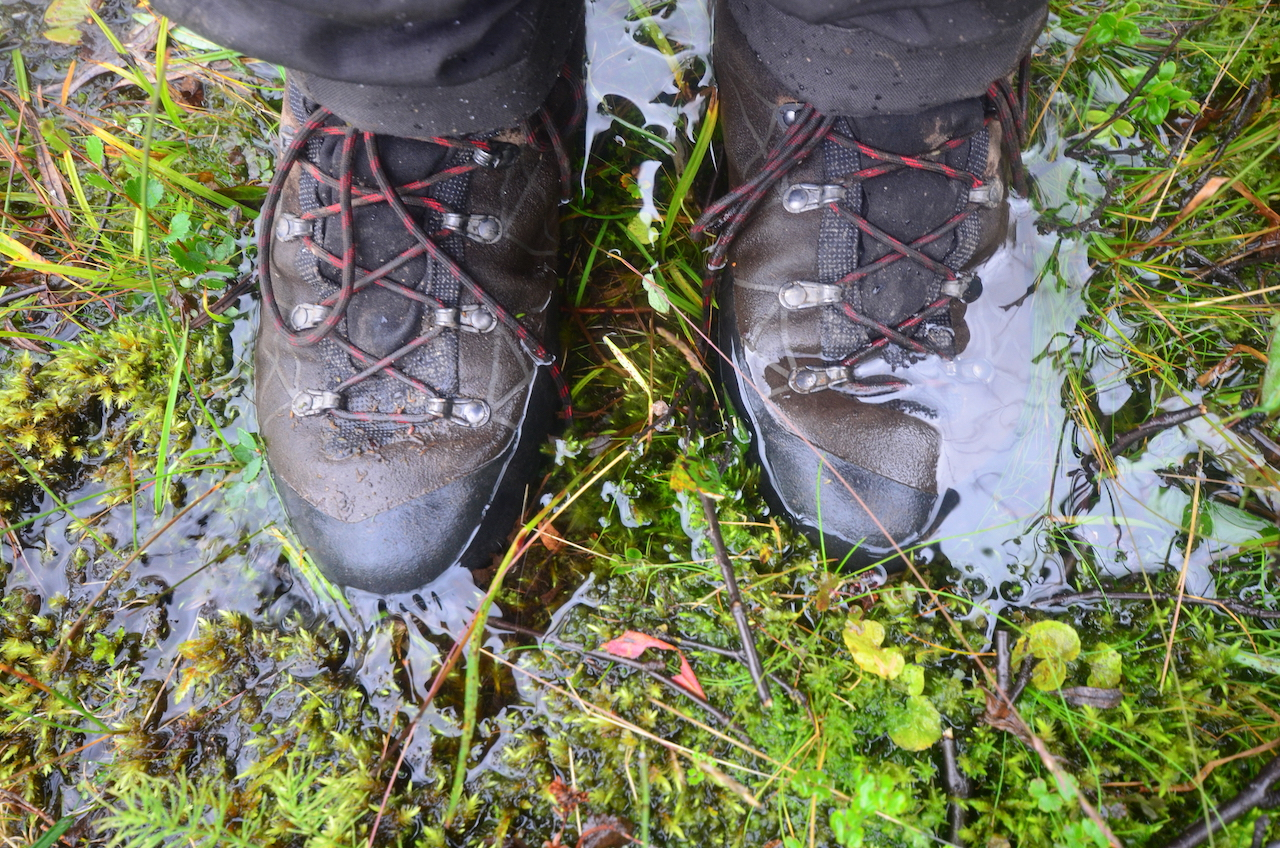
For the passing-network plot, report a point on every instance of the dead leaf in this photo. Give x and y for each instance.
(565, 798)
(189, 91)
(1092, 696)
(1208, 190)
(1001, 717)
(1266, 211)
(605, 832)
(686, 679)
(633, 643)
(550, 537)
(20, 343)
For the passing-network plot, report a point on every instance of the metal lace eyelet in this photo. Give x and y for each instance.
(808, 379)
(307, 315)
(483, 229)
(989, 195)
(498, 155)
(805, 197)
(789, 113)
(309, 402)
(290, 227)
(466, 412)
(801, 294)
(966, 287)
(473, 319)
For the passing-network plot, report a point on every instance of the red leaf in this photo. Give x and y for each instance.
(632, 644)
(686, 679)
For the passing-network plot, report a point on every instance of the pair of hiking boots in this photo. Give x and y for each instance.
(405, 370)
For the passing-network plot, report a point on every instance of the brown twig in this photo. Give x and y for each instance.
(736, 606)
(795, 694)
(956, 784)
(643, 668)
(233, 293)
(1127, 103)
(1099, 595)
(1257, 793)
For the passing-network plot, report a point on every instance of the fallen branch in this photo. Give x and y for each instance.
(956, 784)
(1099, 595)
(1257, 793)
(736, 606)
(642, 667)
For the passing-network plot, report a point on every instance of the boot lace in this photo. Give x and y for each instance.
(310, 324)
(807, 129)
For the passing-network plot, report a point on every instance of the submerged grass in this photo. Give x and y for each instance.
(165, 677)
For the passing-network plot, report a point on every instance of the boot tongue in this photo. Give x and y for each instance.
(908, 135)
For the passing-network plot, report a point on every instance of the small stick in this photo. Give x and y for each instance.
(1099, 595)
(1257, 793)
(796, 694)
(1092, 463)
(1260, 830)
(1024, 677)
(736, 606)
(957, 786)
(642, 667)
(1002, 663)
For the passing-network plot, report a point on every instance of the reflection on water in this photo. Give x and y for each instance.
(1012, 452)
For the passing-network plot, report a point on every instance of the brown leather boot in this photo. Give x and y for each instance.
(404, 367)
(844, 252)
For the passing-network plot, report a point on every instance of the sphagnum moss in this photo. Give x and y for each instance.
(265, 728)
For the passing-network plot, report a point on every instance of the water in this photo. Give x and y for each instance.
(1011, 450)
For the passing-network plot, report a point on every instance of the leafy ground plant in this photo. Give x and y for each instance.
(173, 670)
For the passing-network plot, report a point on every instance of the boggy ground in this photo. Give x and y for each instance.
(173, 671)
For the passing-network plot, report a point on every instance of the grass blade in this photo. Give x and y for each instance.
(166, 428)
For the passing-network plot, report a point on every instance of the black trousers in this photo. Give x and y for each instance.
(447, 67)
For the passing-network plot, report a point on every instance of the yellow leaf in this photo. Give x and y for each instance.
(863, 639)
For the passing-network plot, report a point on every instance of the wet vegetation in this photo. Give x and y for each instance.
(174, 671)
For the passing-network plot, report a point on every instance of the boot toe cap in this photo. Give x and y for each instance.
(406, 546)
(852, 508)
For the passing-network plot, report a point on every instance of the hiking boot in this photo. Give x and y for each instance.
(843, 254)
(404, 372)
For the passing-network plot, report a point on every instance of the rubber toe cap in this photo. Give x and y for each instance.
(404, 547)
(852, 508)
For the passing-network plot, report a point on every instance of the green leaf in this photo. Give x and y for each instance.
(657, 296)
(54, 833)
(863, 639)
(93, 149)
(187, 260)
(1122, 127)
(1127, 32)
(133, 190)
(179, 227)
(917, 725)
(1104, 29)
(1104, 667)
(694, 474)
(912, 679)
(1053, 643)
(1267, 665)
(1046, 799)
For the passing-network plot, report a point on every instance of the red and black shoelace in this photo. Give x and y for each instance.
(544, 134)
(727, 216)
